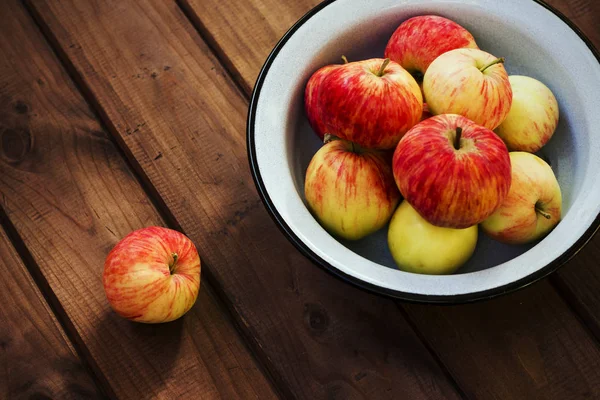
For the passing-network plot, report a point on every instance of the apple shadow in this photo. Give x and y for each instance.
(138, 354)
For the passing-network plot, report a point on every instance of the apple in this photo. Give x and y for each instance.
(370, 102)
(533, 115)
(350, 190)
(533, 206)
(420, 247)
(454, 172)
(311, 93)
(152, 275)
(471, 83)
(420, 40)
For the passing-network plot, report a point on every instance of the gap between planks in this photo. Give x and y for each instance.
(59, 313)
(151, 192)
(567, 295)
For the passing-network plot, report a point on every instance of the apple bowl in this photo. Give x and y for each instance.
(535, 40)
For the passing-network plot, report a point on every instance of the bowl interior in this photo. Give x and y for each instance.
(534, 41)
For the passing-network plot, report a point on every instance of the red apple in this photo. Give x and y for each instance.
(350, 190)
(471, 83)
(311, 93)
(420, 40)
(372, 102)
(454, 172)
(152, 275)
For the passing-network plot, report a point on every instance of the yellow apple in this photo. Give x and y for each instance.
(533, 115)
(420, 247)
(350, 190)
(533, 204)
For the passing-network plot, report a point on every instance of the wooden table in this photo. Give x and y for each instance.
(116, 115)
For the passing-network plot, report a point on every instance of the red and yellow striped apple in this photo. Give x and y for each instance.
(420, 40)
(371, 102)
(350, 190)
(471, 83)
(454, 172)
(152, 275)
(533, 206)
(420, 247)
(533, 115)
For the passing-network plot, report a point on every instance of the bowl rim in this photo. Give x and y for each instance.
(536, 276)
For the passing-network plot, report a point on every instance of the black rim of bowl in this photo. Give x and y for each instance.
(411, 297)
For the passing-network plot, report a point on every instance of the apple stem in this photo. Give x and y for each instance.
(383, 66)
(344, 59)
(496, 61)
(172, 265)
(543, 213)
(328, 137)
(457, 138)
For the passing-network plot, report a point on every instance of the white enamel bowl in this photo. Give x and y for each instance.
(535, 40)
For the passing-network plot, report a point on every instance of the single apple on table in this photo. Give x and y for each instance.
(420, 247)
(454, 172)
(350, 190)
(420, 40)
(533, 115)
(533, 206)
(370, 102)
(471, 83)
(152, 275)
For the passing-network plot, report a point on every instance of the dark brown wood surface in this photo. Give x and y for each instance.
(544, 305)
(175, 111)
(170, 81)
(71, 196)
(36, 358)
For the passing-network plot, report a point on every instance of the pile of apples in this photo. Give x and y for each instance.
(433, 141)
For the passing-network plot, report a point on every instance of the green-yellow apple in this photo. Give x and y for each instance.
(533, 206)
(371, 102)
(454, 172)
(420, 40)
(417, 246)
(471, 83)
(152, 275)
(533, 115)
(350, 190)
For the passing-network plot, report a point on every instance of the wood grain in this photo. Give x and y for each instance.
(527, 345)
(182, 121)
(37, 360)
(71, 196)
(579, 280)
(243, 33)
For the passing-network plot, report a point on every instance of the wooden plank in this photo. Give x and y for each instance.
(526, 345)
(29, 331)
(71, 197)
(227, 25)
(179, 117)
(580, 279)
(243, 33)
(218, 22)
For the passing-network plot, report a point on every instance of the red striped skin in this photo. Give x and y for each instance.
(448, 187)
(420, 40)
(351, 102)
(350, 191)
(454, 84)
(137, 280)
